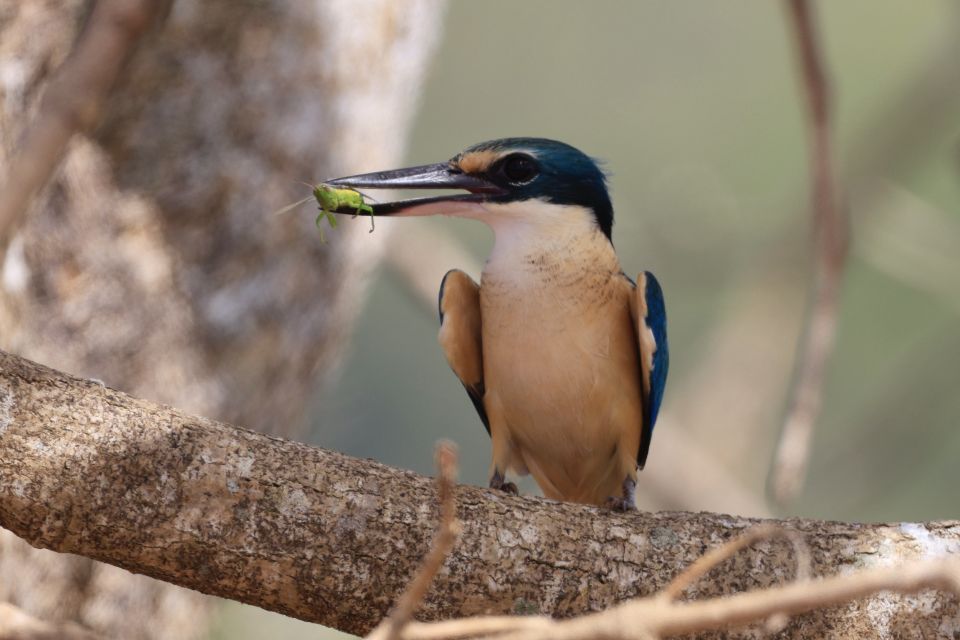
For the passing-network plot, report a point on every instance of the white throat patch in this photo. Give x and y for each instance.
(537, 226)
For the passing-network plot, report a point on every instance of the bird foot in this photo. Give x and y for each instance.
(629, 500)
(511, 488)
(619, 504)
(499, 483)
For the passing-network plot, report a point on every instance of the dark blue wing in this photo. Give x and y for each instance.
(654, 317)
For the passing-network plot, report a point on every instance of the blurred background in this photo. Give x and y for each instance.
(697, 112)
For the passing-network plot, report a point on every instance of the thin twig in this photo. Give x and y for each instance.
(481, 626)
(799, 597)
(73, 100)
(832, 240)
(445, 458)
(656, 616)
(659, 615)
(708, 561)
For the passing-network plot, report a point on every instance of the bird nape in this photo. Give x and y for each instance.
(564, 357)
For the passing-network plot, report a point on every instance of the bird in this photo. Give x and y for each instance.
(564, 357)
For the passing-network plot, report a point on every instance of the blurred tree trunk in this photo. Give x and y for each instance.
(152, 261)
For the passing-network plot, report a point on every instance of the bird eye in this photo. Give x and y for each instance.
(519, 168)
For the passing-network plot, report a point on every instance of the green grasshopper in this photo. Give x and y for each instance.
(332, 200)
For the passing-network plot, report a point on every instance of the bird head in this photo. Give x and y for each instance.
(527, 180)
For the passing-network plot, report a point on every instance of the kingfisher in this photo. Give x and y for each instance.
(563, 355)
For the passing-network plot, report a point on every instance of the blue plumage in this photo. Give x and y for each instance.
(656, 321)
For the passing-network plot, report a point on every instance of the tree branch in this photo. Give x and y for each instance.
(74, 100)
(832, 239)
(324, 537)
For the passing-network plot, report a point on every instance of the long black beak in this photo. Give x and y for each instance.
(430, 176)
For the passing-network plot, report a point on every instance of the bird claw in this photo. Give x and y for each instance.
(498, 483)
(629, 500)
(619, 504)
(509, 487)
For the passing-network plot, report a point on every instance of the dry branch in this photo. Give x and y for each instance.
(658, 615)
(750, 332)
(708, 561)
(74, 100)
(447, 532)
(655, 617)
(832, 239)
(88, 470)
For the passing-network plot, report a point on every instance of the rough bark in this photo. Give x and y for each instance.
(151, 260)
(324, 537)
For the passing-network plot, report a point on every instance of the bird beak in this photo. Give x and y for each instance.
(431, 176)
